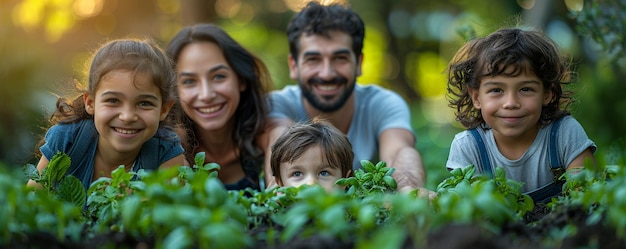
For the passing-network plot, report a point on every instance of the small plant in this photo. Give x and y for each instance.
(55, 182)
(370, 179)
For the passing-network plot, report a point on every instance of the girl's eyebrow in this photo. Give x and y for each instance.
(118, 95)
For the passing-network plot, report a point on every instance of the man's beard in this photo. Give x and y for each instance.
(318, 103)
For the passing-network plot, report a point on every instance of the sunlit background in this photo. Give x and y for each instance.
(45, 45)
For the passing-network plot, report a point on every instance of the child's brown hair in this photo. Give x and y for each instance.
(291, 145)
(525, 51)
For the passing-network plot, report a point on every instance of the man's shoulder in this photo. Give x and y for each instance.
(374, 91)
(289, 90)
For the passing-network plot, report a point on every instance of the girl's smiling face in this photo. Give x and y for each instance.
(127, 108)
(511, 105)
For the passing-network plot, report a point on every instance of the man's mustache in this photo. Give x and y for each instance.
(335, 80)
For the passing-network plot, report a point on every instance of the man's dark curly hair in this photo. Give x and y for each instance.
(317, 19)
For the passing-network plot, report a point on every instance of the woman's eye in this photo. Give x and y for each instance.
(186, 81)
(219, 77)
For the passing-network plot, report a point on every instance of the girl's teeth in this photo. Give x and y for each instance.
(124, 131)
(209, 109)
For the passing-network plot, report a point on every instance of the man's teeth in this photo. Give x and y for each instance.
(125, 131)
(328, 87)
(209, 109)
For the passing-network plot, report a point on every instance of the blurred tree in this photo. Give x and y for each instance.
(408, 44)
(24, 72)
(603, 23)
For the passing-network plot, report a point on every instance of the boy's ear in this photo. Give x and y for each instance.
(348, 174)
(89, 103)
(165, 109)
(278, 181)
(547, 97)
(474, 94)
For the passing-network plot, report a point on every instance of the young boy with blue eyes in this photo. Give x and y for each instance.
(310, 153)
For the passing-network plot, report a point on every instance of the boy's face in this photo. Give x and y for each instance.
(512, 106)
(310, 169)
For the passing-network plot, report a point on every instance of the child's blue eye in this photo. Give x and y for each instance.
(112, 100)
(297, 174)
(146, 104)
(526, 89)
(325, 173)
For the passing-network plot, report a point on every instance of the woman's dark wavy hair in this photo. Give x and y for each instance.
(317, 19)
(129, 54)
(251, 114)
(525, 51)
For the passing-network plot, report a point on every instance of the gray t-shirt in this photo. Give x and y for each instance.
(533, 167)
(376, 110)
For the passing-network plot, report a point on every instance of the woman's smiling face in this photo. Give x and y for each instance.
(208, 88)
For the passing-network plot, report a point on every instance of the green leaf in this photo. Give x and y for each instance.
(120, 177)
(31, 172)
(390, 171)
(390, 182)
(57, 167)
(469, 172)
(130, 214)
(381, 165)
(179, 238)
(71, 189)
(368, 166)
(210, 167)
(199, 159)
(216, 192)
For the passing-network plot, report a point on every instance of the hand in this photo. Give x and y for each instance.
(419, 192)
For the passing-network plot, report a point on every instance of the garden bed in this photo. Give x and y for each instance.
(189, 208)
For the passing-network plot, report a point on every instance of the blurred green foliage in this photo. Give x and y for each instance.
(407, 46)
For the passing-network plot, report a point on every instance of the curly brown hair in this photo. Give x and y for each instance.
(524, 51)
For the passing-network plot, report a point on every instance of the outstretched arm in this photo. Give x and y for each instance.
(579, 162)
(275, 128)
(43, 163)
(397, 149)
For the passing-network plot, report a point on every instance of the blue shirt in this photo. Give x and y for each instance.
(79, 140)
